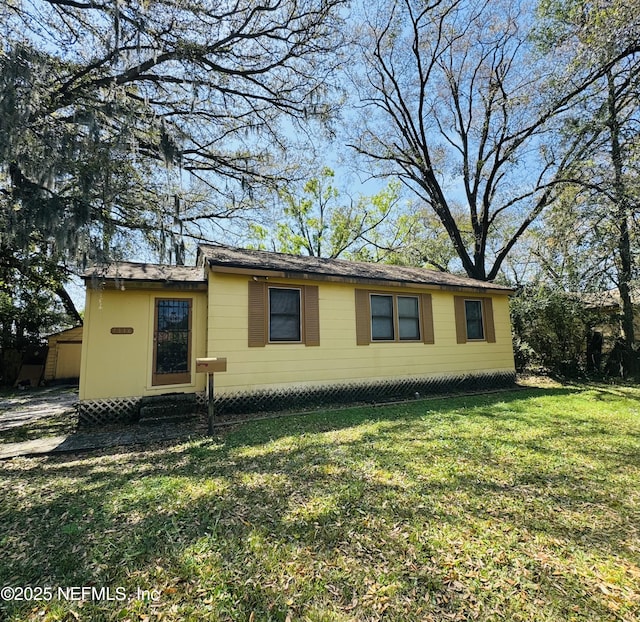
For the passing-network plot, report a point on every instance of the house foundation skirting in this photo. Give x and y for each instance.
(108, 411)
(157, 408)
(102, 412)
(299, 398)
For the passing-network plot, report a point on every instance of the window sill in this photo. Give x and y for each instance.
(397, 341)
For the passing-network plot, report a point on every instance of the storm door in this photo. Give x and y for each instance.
(172, 341)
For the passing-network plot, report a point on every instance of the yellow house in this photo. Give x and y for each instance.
(293, 330)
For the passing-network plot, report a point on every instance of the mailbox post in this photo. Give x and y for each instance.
(209, 366)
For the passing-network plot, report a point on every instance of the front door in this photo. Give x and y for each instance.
(172, 341)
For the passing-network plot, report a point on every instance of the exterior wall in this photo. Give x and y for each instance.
(338, 359)
(68, 361)
(610, 326)
(120, 365)
(63, 358)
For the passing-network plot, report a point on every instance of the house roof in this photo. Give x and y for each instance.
(609, 299)
(229, 259)
(130, 271)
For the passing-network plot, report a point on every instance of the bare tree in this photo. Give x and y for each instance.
(457, 102)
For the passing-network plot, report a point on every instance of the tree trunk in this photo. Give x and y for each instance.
(624, 263)
(69, 305)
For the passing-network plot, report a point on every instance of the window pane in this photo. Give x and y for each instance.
(285, 301)
(381, 306)
(172, 355)
(284, 314)
(473, 310)
(407, 306)
(173, 315)
(381, 328)
(382, 318)
(285, 328)
(408, 318)
(409, 328)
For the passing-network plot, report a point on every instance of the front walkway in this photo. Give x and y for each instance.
(83, 441)
(28, 406)
(30, 410)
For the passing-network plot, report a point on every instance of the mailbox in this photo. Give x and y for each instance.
(211, 365)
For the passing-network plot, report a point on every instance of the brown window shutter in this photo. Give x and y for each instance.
(363, 318)
(311, 316)
(489, 326)
(461, 319)
(427, 318)
(257, 314)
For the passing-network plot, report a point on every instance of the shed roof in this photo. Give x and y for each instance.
(226, 258)
(66, 332)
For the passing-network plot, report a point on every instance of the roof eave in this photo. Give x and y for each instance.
(230, 268)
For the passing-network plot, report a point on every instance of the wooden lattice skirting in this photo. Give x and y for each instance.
(104, 412)
(406, 388)
(133, 409)
(123, 410)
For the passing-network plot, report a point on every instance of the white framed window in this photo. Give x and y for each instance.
(281, 314)
(474, 320)
(383, 316)
(394, 317)
(285, 317)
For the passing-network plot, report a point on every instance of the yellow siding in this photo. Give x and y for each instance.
(69, 343)
(68, 361)
(338, 358)
(120, 365)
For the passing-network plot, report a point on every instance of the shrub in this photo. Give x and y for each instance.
(550, 330)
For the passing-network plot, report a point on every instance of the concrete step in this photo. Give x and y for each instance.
(168, 409)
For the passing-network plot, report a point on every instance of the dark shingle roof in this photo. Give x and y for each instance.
(129, 271)
(294, 265)
(609, 299)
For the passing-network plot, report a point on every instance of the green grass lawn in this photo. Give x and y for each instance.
(522, 505)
